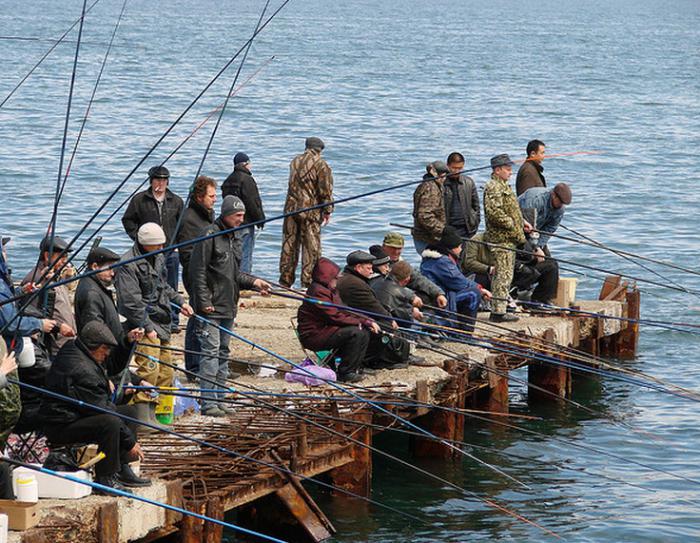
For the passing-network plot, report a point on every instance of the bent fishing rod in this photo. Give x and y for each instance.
(466, 492)
(125, 494)
(207, 444)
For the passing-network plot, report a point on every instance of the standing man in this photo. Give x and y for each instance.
(216, 280)
(461, 199)
(530, 172)
(242, 184)
(429, 218)
(157, 204)
(310, 184)
(505, 230)
(198, 216)
(144, 298)
(549, 206)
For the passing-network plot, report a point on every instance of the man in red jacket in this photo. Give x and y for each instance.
(323, 327)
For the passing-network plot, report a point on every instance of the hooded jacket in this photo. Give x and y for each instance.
(214, 274)
(429, 217)
(143, 293)
(316, 323)
(144, 208)
(242, 184)
(444, 272)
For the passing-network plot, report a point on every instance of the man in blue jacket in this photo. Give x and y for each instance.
(549, 205)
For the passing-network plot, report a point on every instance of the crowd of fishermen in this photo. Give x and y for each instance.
(107, 346)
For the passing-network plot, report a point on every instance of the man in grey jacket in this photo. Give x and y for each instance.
(215, 282)
(143, 298)
(461, 198)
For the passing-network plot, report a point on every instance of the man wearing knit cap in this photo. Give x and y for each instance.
(549, 206)
(216, 280)
(241, 183)
(429, 217)
(144, 299)
(310, 184)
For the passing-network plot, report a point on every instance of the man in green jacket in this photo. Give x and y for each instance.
(505, 230)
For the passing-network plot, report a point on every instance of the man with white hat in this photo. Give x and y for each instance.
(143, 298)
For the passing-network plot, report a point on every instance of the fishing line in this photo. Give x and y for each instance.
(207, 444)
(125, 494)
(21, 82)
(380, 408)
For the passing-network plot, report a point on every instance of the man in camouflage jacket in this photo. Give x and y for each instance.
(310, 184)
(505, 229)
(429, 217)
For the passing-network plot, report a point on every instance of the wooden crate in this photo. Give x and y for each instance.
(566, 292)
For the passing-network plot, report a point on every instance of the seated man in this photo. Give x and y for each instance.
(428, 291)
(324, 327)
(440, 266)
(79, 372)
(549, 206)
(353, 286)
(381, 264)
(395, 296)
(532, 270)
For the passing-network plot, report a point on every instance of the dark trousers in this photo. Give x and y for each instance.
(547, 283)
(384, 350)
(467, 316)
(192, 344)
(351, 344)
(110, 434)
(172, 265)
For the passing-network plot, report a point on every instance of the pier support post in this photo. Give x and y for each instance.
(629, 337)
(550, 377)
(444, 424)
(497, 374)
(357, 475)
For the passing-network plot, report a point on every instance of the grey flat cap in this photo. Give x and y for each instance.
(359, 257)
(97, 333)
(102, 255)
(60, 245)
(315, 143)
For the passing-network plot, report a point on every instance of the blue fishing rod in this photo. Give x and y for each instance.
(130, 495)
(41, 60)
(400, 419)
(207, 444)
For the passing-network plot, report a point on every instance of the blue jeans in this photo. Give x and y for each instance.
(248, 241)
(192, 344)
(213, 364)
(420, 246)
(172, 265)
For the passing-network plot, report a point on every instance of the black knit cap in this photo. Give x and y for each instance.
(380, 257)
(450, 238)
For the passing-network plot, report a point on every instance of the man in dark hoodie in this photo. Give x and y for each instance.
(324, 327)
(242, 184)
(198, 216)
(216, 280)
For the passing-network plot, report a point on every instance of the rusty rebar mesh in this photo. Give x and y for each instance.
(253, 432)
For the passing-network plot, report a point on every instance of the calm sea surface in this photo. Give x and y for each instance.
(388, 86)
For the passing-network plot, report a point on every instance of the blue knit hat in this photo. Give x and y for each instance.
(240, 158)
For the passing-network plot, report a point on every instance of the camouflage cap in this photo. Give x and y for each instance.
(394, 239)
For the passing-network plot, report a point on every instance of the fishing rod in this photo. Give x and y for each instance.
(21, 81)
(125, 494)
(207, 444)
(387, 412)
(594, 243)
(91, 100)
(559, 259)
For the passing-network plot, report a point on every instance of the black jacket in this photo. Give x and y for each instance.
(242, 184)
(144, 295)
(143, 208)
(78, 376)
(355, 292)
(94, 302)
(214, 275)
(195, 220)
(468, 199)
(396, 299)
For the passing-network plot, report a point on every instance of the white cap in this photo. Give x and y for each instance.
(151, 234)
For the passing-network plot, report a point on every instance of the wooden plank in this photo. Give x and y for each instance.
(108, 523)
(610, 283)
(304, 515)
(628, 338)
(422, 396)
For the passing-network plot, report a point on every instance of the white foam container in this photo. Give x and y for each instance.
(4, 523)
(51, 486)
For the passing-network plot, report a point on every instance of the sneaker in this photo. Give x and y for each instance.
(213, 411)
(368, 371)
(414, 360)
(110, 481)
(503, 317)
(398, 365)
(126, 477)
(351, 377)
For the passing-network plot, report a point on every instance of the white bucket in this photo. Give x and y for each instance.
(27, 488)
(26, 357)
